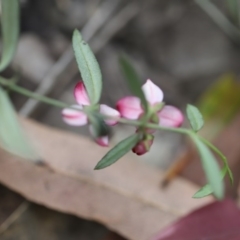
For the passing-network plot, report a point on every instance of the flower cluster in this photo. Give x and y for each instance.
(77, 118)
(166, 116)
(130, 108)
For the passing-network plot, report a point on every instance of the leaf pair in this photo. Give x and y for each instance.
(127, 144)
(92, 79)
(209, 163)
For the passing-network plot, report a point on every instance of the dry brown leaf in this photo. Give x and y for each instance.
(125, 197)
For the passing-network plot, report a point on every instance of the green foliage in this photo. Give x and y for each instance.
(10, 30)
(12, 137)
(234, 10)
(221, 101)
(222, 157)
(133, 80)
(207, 190)
(195, 118)
(118, 151)
(210, 168)
(89, 68)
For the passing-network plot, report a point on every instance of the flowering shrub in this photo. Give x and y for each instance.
(145, 109)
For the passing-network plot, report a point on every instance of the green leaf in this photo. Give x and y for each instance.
(210, 168)
(207, 190)
(221, 155)
(195, 117)
(10, 30)
(100, 128)
(233, 7)
(89, 68)
(230, 174)
(133, 80)
(12, 137)
(118, 151)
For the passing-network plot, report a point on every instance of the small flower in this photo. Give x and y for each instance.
(130, 107)
(77, 118)
(165, 115)
(144, 145)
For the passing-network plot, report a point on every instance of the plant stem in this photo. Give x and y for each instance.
(11, 85)
(154, 126)
(30, 94)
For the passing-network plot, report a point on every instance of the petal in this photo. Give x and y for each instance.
(74, 117)
(152, 92)
(81, 95)
(130, 107)
(102, 141)
(108, 111)
(170, 116)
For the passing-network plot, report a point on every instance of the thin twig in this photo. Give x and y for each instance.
(117, 23)
(13, 217)
(220, 19)
(92, 26)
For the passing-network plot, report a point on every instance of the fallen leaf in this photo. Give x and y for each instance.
(216, 221)
(125, 197)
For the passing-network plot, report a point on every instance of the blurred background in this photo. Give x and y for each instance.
(191, 49)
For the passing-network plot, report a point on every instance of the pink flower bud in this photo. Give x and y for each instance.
(79, 118)
(144, 145)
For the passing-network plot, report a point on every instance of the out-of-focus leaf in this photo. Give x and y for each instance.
(125, 195)
(218, 220)
(207, 190)
(210, 168)
(12, 137)
(233, 7)
(10, 30)
(219, 105)
(195, 118)
(118, 151)
(88, 67)
(100, 128)
(133, 80)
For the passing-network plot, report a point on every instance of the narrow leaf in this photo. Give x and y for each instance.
(88, 67)
(133, 80)
(207, 190)
(12, 137)
(221, 155)
(10, 30)
(118, 151)
(195, 117)
(210, 167)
